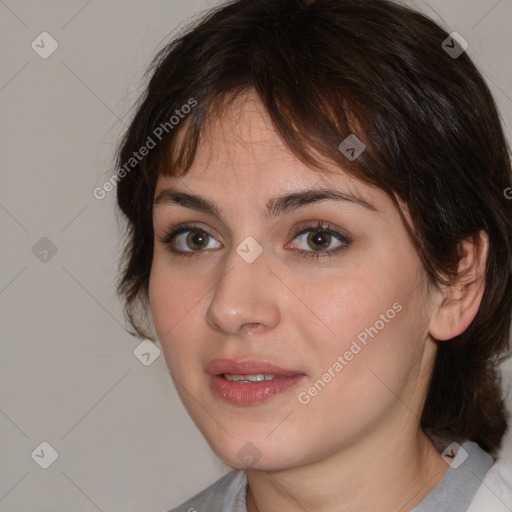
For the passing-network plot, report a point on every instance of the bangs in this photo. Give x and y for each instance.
(314, 142)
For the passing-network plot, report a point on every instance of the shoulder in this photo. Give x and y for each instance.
(469, 466)
(495, 493)
(220, 496)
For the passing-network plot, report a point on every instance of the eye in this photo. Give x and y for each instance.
(196, 238)
(319, 237)
(190, 239)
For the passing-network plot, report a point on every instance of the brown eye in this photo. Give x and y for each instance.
(187, 239)
(318, 240)
(191, 240)
(196, 240)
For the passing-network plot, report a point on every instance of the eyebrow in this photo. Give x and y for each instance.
(274, 207)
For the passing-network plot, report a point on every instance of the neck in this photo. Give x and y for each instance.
(393, 474)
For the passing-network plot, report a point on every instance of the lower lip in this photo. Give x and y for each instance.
(252, 392)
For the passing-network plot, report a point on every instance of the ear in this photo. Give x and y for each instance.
(459, 302)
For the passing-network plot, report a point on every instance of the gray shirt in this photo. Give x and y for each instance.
(454, 493)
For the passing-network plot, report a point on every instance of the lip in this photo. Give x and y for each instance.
(248, 367)
(250, 392)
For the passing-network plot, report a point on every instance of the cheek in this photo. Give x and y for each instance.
(170, 295)
(367, 283)
(162, 299)
(344, 306)
(369, 320)
(172, 301)
(354, 385)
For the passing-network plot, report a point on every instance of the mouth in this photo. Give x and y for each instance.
(249, 382)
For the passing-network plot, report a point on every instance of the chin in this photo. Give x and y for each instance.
(255, 454)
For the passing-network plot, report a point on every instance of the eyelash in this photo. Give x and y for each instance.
(320, 226)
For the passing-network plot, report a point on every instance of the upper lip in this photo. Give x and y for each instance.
(248, 367)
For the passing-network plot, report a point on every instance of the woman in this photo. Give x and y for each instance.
(317, 222)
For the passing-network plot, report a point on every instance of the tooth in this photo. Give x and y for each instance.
(248, 378)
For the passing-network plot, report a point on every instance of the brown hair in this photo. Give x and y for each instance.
(325, 69)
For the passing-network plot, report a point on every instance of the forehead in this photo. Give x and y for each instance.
(242, 160)
(239, 144)
(242, 138)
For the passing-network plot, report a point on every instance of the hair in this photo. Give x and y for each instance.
(323, 70)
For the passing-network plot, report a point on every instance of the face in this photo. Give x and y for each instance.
(322, 294)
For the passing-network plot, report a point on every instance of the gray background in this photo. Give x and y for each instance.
(68, 374)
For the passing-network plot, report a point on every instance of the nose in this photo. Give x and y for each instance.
(245, 297)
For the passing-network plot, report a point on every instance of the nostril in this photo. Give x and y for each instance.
(216, 327)
(250, 327)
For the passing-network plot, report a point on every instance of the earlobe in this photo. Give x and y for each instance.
(460, 301)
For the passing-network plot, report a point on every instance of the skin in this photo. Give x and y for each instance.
(357, 445)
